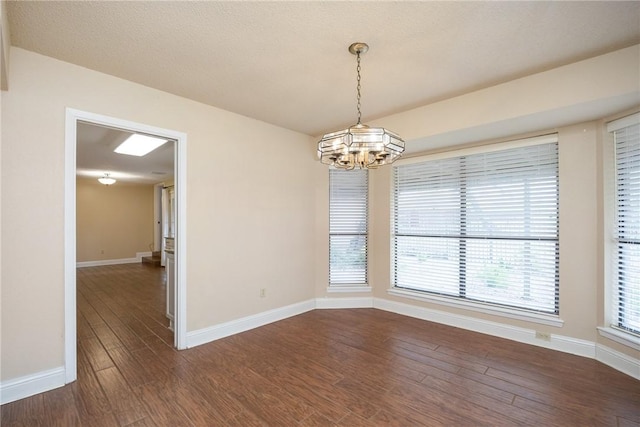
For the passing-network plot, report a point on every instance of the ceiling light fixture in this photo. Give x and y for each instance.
(106, 179)
(139, 145)
(360, 145)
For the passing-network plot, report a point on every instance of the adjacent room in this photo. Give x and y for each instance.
(356, 213)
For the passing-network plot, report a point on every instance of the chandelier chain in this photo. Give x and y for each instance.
(359, 95)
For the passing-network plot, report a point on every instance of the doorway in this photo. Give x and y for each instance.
(73, 119)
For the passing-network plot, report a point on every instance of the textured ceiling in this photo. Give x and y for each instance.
(287, 63)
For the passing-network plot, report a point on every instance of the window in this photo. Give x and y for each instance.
(348, 207)
(626, 247)
(482, 227)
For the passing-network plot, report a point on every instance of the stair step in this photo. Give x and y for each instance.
(153, 260)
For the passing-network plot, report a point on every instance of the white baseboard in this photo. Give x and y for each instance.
(618, 361)
(135, 260)
(29, 385)
(514, 333)
(212, 333)
(355, 302)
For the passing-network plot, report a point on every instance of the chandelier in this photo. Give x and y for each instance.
(106, 179)
(360, 146)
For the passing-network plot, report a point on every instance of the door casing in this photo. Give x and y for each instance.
(72, 118)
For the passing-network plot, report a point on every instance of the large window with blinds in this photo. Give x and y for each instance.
(480, 226)
(348, 214)
(626, 247)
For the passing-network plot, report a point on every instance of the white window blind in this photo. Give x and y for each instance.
(483, 227)
(626, 292)
(348, 207)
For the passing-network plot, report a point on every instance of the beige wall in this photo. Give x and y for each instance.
(113, 222)
(249, 220)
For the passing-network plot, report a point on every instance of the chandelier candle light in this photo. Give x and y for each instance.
(360, 146)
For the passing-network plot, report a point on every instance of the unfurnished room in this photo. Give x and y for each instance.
(320, 213)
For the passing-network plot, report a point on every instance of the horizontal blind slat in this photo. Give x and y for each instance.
(348, 226)
(482, 227)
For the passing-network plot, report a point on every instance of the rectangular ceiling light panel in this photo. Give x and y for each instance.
(139, 145)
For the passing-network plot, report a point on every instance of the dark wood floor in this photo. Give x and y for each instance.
(359, 367)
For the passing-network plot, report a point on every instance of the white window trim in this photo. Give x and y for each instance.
(480, 307)
(620, 336)
(609, 331)
(609, 190)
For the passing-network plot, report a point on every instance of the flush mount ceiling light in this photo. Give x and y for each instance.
(139, 145)
(360, 146)
(106, 179)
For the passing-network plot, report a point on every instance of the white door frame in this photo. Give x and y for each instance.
(180, 173)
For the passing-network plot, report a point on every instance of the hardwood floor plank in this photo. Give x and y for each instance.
(151, 365)
(129, 367)
(95, 353)
(353, 420)
(161, 406)
(560, 415)
(88, 312)
(218, 397)
(27, 411)
(267, 401)
(106, 336)
(126, 406)
(316, 420)
(90, 398)
(449, 359)
(449, 408)
(624, 422)
(60, 408)
(202, 409)
(145, 422)
(520, 416)
(246, 419)
(407, 417)
(286, 378)
(129, 339)
(135, 325)
(83, 329)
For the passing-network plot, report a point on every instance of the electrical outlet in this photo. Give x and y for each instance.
(263, 292)
(544, 336)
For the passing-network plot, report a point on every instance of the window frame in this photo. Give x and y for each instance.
(546, 318)
(611, 329)
(350, 286)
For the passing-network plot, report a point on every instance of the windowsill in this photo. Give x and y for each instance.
(621, 337)
(348, 288)
(511, 313)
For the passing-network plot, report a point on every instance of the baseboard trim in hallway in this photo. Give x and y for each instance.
(29, 385)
